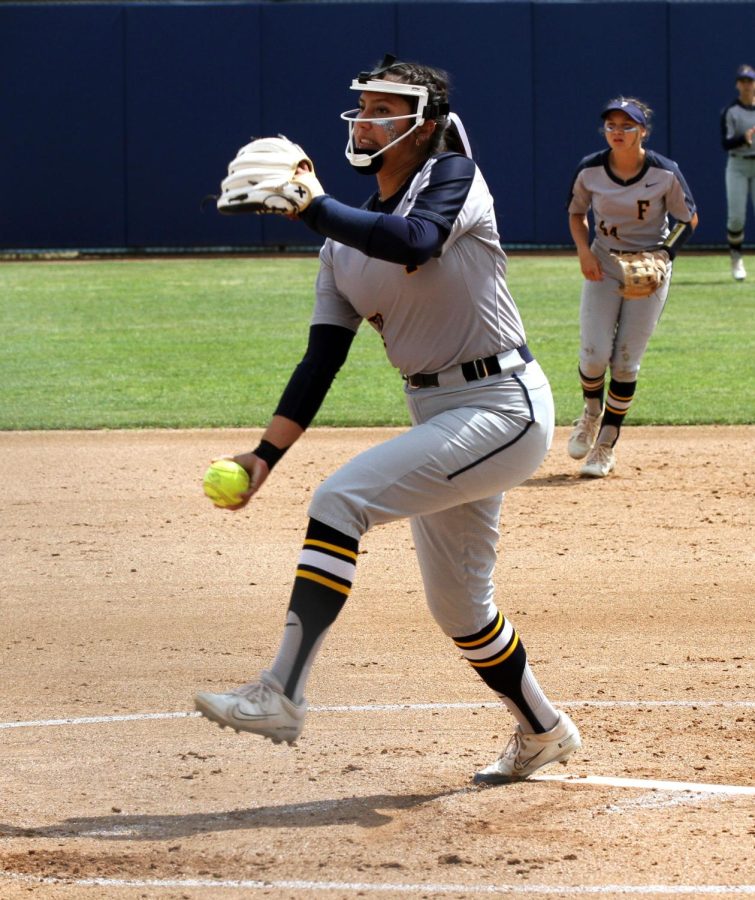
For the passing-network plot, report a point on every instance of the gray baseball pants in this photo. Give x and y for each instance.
(615, 332)
(448, 474)
(740, 186)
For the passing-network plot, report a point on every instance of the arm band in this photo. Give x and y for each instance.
(406, 240)
(733, 143)
(269, 453)
(678, 236)
(311, 380)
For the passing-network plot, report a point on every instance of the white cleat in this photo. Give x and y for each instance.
(600, 462)
(526, 753)
(583, 436)
(260, 707)
(738, 271)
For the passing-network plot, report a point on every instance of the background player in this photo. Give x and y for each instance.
(630, 191)
(422, 262)
(737, 130)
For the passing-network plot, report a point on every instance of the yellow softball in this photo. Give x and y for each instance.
(225, 481)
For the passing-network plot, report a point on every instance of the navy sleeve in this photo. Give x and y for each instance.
(409, 240)
(726, 142)
(663, 162)
(326, 352)
(443, 199)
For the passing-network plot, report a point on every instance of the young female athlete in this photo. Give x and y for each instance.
(631, 192)
(737, 133)
(422, 263)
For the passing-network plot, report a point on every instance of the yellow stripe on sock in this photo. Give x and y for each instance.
(312, 543)
(493, 631)
(499, 659)
(320, 579)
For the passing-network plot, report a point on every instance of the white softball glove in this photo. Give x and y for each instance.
(263, 178)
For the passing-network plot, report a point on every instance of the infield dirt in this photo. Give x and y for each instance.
(124, 591)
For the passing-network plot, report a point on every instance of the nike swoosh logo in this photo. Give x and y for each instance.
(650, 183)
(236, 713)
(525, 762)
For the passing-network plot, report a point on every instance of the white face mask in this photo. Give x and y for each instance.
(370, 161)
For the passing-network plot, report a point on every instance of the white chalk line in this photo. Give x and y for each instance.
(731, 790)
(398, 707)
(646, 784)
(387, 888)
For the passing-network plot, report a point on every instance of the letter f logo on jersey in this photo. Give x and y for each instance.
(642, 205)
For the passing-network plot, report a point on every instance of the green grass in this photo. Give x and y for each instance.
(179, 343)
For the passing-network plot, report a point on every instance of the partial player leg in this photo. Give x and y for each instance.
(458, 455)
(274, 706)
(737, 189)
(586, 427)
(456, 550)
(637, 322)
(599, 310)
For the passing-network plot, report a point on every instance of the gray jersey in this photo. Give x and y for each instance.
(454, 308)
(736, 119)
(633, 214)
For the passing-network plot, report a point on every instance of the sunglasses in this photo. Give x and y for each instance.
(624, 129)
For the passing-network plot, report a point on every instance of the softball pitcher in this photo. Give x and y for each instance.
(737, 132)
(630, 191)
(422, 263)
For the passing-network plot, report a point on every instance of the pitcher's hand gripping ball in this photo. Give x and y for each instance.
(225, 481)
(263, 178)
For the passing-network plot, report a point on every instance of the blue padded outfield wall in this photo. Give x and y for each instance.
(119, 118)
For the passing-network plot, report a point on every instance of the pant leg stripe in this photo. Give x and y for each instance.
(331, 548)
(332, 565)
(493, 629)
(510, 443)
(498, 659)
(321, 579)
(492, 649)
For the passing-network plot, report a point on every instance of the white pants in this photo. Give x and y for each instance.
(740, 185)
(448, 473)
(615, 332)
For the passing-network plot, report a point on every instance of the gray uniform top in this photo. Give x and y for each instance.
(631, 215)
(735, 120)
(452, 309)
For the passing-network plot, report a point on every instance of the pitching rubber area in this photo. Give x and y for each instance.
(633, 595)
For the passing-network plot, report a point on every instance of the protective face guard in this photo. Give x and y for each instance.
(416, 92)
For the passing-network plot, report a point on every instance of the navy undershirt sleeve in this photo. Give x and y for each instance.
(730, 143)
(408, 241)
(326, 352)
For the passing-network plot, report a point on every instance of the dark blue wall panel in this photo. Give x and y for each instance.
(62, 144)
(487, 49)
(194, 98)
(582, 59)
(304, 93)
(708, 42)
(120, 117)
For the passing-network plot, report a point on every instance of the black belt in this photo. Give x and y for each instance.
(474, 370)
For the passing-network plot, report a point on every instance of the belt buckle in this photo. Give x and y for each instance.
(480, 368)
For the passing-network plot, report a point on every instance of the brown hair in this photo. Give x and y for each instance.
(445, 136)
